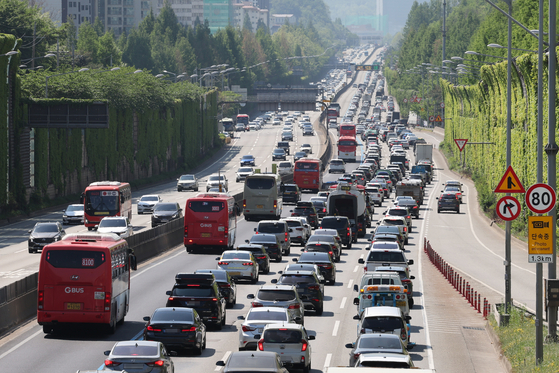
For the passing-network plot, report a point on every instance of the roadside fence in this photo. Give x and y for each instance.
(456, 280)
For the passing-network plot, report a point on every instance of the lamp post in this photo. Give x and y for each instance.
(52, 76)
(9, 55)
(24, 62)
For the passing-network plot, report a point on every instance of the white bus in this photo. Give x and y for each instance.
(263, 197)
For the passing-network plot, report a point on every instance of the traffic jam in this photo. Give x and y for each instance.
(328, 211)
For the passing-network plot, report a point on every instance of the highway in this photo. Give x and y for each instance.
(439, 327)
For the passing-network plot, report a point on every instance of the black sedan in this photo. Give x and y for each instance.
(324, 262)
(179, 327)
(164, 212)
(260, 254)
(227, 286)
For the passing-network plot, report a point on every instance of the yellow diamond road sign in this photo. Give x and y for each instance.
(540, 239)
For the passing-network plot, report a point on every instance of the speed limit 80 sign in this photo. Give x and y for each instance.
(540, 198)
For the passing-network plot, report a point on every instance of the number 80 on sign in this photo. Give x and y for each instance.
(540, 198)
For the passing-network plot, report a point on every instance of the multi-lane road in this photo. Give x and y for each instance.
(450, 336)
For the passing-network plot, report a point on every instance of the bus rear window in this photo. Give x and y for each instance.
(206, 206)
(347, 143)
(75, 258)
(260, 183)
(306, 166)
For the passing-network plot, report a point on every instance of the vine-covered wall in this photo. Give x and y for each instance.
(479, 113)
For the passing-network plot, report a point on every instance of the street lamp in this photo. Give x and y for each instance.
(494, 45)
(51, 76)
(481, 54)
(168, 72)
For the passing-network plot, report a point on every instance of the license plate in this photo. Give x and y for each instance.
(133, 366)
(259, 206)
(73, 306)
(171, 330)
(260, 330)
(232, 273)
(205, 235)
(400, 303)
(305, 182)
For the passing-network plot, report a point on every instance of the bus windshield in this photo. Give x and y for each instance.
(101, 202)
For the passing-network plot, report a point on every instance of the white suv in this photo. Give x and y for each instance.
(300, 229)
(215, 180)
(337, 165)
(116, 224)
(290, 341)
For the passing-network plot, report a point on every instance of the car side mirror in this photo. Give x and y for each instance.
(311, 337)
(250, 296)
(147, 318)
(298, 319)
(217, 258)
(437, 198)
(410, 262)
(247, 241)
(107, 353)
(356, 301)
(412, 277)
(220, 363)
(169, 292)
(240, 317)
(355, 287)
(360, 261)
(323, 281)
(29, 231)
(255, 229)
(274, 281)
(408, 318)
(356, 317)
(290, 230)
(294, 260)
(133, 262)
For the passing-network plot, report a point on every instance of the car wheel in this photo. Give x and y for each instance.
(438, 211)
(278, 259)
(411, 302)
(47, 329)
(406, 242)
(332, 282)
(410, 229)
(320, 309)
(254, 280)
(224, 319)
(196, 189)
(267, 270)
(288, 251)
(458, 210)
(31, 251)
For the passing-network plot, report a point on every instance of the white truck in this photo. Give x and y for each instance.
(423, 151)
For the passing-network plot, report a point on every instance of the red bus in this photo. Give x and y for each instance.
(348, 129)
(210, 220)
(307, 174)
(84, 279)
(106, 198)
(243, 118)
(347, 148)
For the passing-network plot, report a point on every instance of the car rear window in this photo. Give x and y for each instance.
(193, 291)
(291, 188)
(382, 323)
(136, 350)
(276, 295)
(271, 228)
(397, 212)
(236, 255)
(293, 223)
(306, 165)
(386, 256)
(297, 279)
(303, 210)
(333, 223)
(171, 315)
(282, 336)
(268, 315)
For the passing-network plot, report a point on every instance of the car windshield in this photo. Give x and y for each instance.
(187, 177)
(162, 315)
(74, 208)
(267, 315)
(297, 279)
(248, 157)
(276, 295)
(244, 169)
(112, 223)
(236, 255)
(165, 207)
(279, 151)
(149, 199)
(282, 336)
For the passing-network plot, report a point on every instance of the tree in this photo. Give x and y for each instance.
(184, 56)
(108, 53)
(137, 51)
(167, 21)
(99, 27)
(247, 25)
(88, 41)
(148, 23)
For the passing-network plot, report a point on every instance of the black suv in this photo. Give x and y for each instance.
(225, 282)
(284, 145)
(411, 205)
(201, 292)
(271, 244)
(291, 193)
(43, 234)
(324, 262)
(309, 287)
(448, 201)
(343, 226)
(307, 210)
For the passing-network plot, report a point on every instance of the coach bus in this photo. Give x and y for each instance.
(263, 197)
(347, 148)
(307, 174)
(106, 198)
(84, 279)
(210, 221)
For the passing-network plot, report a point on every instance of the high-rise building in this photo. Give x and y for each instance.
(254, 14)
(187, 11)
(219, 13)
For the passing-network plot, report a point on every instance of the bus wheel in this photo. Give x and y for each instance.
(47, 329)
(112, 326)
(89, 228)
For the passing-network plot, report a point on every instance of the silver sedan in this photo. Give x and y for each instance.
(239, 264)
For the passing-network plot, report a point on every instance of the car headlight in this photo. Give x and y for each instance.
(64, 216)
(175, 216)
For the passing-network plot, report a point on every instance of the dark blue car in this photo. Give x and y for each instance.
(248, 160)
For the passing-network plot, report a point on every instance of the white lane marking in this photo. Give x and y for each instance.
(350, 284)
(20, 344)
(20, 251)
(327, 360)
(137, 336)
(336, 326)
(344, 299)
(225, 357)
(356, 269)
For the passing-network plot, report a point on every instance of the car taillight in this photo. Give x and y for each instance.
(405, 229)
(260, 257)
(110, 363)
(324, 210)
(223, 263)
(348, 231)
(152, 329)
(244, 203)
(331, 253)
(365, 268)
(186, 231)
(285, 236)
(356, 356)
(256, 304)
(248, 328)
(403, 334)
(294, 307)
(407, 217)
(107, 301)
(248, 264)
(225, 286)
(191, 329)
(157, 363)
(305, 345)
(275, 203)
(261, 345)
(41, 299)
(314, 287)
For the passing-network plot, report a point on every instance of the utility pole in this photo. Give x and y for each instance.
(57, 53)
(33, 47)
(444, 58)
